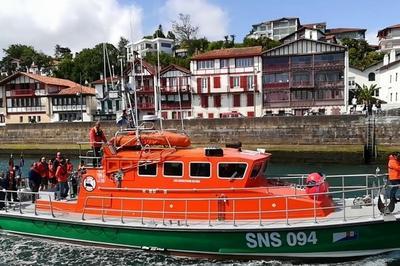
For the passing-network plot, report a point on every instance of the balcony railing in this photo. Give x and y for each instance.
(26, 109)
(276, 68)
(277, 85)
(75, 107)
(145, 89)
(301, 65)
(172, 106)
(329, 64)
(330, 84)
(145, 106)
(174, 89)
(22, 92)
(302, 84)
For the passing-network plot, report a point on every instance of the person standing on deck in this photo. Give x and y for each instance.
(96, 138)
(44, 184)
(394, 174)
(35, 177)
(62, 179)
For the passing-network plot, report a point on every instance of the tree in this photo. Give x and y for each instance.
(183, 29)
(171, 35)
(25, 55)
(159, 32)
(361, 55)
(123, 42)
(61, 52)
(263, 41)
(366, 95)
(167, 59)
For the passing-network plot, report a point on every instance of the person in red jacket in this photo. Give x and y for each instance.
(62, 179)
(394, 174)
(44, 174)
(35, 177)
(96, 138)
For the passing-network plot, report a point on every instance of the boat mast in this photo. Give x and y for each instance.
(105, 67)
(157, 92)
(180, 102)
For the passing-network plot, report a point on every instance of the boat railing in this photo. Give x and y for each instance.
(210, 212)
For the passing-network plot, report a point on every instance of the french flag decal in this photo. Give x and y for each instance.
(344, 236)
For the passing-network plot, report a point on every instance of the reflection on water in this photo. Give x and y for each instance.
(18, 250)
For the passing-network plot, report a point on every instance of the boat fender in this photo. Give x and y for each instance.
(315, 184)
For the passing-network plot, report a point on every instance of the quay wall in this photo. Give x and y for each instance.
(307, 130)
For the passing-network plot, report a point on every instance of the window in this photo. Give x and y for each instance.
(236, 100)
(2, 119)
(235, 82)
(224, 63)
(210, 115)
(390, 79)
(167, 45)
(231, 170)
(173, 169)
(217, 100)
(371, 76)
(200, 169)
(147, 169)
(276, 78)
(38, 118)
(250, 99)
(21, 119)
(204, 83)
(250, 82)
(256, 169)
(204, 101)
(205, 64)
(244, 62)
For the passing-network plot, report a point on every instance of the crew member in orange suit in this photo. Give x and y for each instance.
(394, 173)
(97, 138)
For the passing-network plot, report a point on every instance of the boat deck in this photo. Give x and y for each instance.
(348, 215)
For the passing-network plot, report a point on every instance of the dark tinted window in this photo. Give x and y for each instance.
(173, 169)
(200, 169)
(149, 169)
(231, 170)
(256, 169)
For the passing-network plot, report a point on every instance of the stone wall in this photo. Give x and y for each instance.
(314, 130)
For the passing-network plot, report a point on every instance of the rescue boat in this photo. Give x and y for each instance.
(153, 191)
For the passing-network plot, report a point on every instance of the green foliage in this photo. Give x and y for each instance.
(88, 64)
(366, 94)
(62, 52)
(183, 29)
(265, 42)
(159, 32)
(361, 55)
(26, 56)
(167, 59)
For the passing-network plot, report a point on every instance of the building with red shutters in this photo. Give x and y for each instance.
(227, 81)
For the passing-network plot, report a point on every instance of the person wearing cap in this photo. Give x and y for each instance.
(394, 174)
(96, 138)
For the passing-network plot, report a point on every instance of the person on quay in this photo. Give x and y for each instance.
(10, 184)
(394, 174)
(44, 184)
(62, 180)
(96, 138)
(35, 178)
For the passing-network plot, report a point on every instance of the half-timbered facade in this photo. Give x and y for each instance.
(176, 96)
(27, 98)
(227, 81)
(305, 76)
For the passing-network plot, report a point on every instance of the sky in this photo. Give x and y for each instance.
(79, 24)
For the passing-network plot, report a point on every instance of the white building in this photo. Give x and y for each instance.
(227, 81)
(275, 29)
(149, 45)
(389, 38)
(108, 98)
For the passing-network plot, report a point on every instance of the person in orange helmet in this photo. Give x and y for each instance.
(394, 174)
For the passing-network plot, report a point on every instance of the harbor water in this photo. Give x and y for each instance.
(22, 250)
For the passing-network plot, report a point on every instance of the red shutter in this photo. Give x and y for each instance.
(211, 115)
(217, 100)
(217, 82)
(250, 99)
(255, 82)
(204, 101)
(163, 82)
(199, 85)
(208, 84)
(243, 82)
(231, 82)
(236, 100)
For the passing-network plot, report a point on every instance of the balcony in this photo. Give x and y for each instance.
(301, 65)
(66, 108)
(329, 64)
(174, 89)
(302, 84)
(22, 92)
(277, 104)
(277, 85)
(33, 109)
(276, 68)
(145, 89)
(144, 106)
(302, 103)
(330, 84)
(175, 106)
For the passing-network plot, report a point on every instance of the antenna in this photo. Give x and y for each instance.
(157, 100)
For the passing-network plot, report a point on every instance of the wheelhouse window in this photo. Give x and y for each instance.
(173, 169)
(200, 170)
(231, 170)
(147, 169)
(256, 169)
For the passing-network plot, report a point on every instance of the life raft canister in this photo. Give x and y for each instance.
(315, 184)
